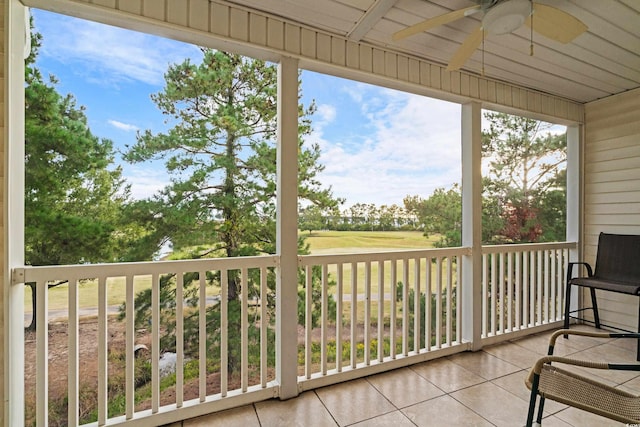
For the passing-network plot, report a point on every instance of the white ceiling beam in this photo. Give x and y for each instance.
(370, 18)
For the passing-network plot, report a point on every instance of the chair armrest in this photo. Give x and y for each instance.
(547, 360)
(570, 268)
(537, 368)
(556, 334)
(533, 379)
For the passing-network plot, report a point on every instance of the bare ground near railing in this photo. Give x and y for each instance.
(88, 327)
(88, 356)
(59, 349)
(58, 359)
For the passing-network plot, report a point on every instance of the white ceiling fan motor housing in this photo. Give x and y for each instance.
(506, 17)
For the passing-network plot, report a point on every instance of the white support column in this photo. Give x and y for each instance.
(287, 230)
(471, 292)
(574, 200)
(15, 33)
(574, 186)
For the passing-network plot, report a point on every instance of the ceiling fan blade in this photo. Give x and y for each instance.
(467, 48)
(434, 22)
(555, 24)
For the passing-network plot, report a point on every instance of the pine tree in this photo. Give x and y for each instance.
(220, 152)
(73, 194)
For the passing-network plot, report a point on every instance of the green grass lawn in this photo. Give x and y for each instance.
(88, 293)
(332, 242)
(360, 276)
(320, 242)
(325, 242)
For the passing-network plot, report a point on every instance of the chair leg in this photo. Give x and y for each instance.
(567, 304)
(638, 350)
(540, 410)
(532, 399)
(594, 303)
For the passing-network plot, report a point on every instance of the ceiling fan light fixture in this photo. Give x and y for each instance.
(506, 17)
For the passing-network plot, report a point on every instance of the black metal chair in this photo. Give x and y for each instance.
(617, 269)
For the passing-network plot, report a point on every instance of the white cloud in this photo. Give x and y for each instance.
(325, 114)
(110, 55)
(413, 149)
(123, 126)
(145, 179)
(356, 91)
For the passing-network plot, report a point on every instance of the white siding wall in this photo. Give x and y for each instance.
(612, 188)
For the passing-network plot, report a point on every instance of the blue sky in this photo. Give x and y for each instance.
(378, 145)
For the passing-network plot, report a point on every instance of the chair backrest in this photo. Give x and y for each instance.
(618, 258)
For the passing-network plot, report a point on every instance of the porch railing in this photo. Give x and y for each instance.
(522, 286)
(172, 276)
(390, 307)
(362, 314)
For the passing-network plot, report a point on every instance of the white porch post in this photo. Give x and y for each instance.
(287, 230)
(471, 289)
(574, 200)
(15, 25)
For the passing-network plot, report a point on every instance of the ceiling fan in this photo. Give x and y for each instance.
(503, 17)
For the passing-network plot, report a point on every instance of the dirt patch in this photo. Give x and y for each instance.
(58, 344)
(59, 353)
(58, 365)
(88, 367)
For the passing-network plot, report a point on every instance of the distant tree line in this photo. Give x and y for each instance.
(359, 217)
(523, 196)
(524, 192)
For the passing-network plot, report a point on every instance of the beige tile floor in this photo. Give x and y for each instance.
(484, 388)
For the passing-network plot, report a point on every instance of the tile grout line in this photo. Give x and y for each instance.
(325, 406)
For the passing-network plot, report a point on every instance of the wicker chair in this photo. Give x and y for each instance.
(551, 382)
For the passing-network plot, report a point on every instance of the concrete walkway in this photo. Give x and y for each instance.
(62, 314)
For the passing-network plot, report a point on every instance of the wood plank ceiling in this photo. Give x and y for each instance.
(601, 62)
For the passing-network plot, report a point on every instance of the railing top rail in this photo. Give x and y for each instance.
(522, 247)
(90, 271)
(382, 256)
